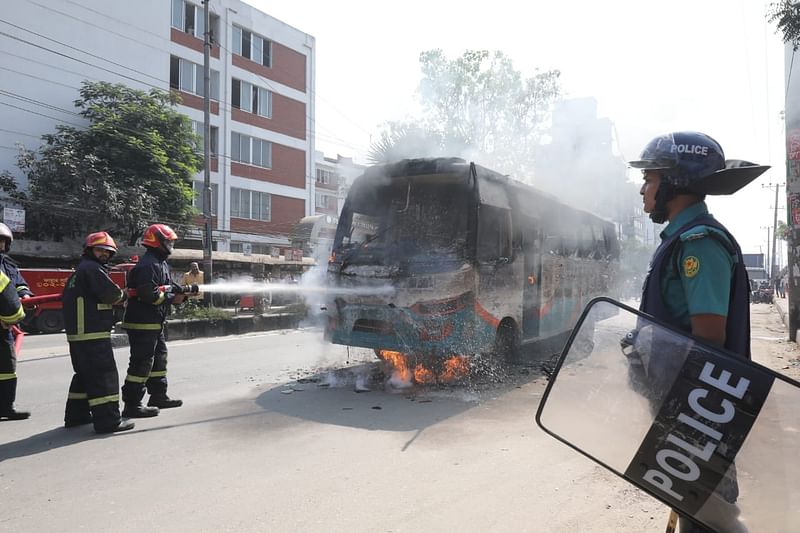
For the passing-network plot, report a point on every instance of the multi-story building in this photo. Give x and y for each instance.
(262, 92)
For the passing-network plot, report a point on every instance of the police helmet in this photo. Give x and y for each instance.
(694, 162)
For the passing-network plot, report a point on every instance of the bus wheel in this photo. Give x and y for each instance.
(507, 342)
(50, 321)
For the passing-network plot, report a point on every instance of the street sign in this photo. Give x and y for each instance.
(14, 219)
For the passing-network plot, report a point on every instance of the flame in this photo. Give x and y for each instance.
(399, 364)
(455, 368)
(423, 376)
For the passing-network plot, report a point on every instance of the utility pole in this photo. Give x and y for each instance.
(792, 128)
(207, 196)
(766, 256)
(772, 270)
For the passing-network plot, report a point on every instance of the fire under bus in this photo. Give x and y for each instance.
(473, 261)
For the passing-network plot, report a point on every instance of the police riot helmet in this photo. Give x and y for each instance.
(6, 235)
(690, 162)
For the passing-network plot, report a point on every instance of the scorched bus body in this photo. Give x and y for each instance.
(450, 258)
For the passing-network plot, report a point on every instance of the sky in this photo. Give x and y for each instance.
(715, 66)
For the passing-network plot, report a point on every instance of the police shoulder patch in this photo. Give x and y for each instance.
(691, 266)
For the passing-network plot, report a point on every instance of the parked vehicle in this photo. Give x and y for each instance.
(47, 317)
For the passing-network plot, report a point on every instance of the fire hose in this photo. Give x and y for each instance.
(30, 302)
(167, 289)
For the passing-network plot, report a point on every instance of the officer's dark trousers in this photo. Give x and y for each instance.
(147, 367)
(95, 385)
(8, 371)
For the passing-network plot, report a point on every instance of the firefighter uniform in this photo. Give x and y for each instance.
(150, 293)
(88, 301)
(12, 288)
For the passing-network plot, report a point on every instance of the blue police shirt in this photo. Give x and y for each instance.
(697, 279)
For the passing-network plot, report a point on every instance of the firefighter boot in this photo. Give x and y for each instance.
(139, 411)
(8, 392)
(162, 401)
(77, 421)
(123, 425)
(10, 413)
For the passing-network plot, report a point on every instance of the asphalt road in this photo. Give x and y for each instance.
(260, 446)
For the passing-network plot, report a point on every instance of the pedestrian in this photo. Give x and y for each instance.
(193, 277)
(88, 300)
(8, 356)
(151, 292)
(697, 280)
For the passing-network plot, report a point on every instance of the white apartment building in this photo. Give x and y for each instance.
(262, 112)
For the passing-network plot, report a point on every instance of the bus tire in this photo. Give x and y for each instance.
(50, 321)
(507, 342)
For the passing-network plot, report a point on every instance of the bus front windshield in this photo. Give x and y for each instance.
(405, 224)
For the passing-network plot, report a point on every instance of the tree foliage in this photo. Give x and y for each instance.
(130, 166)
(786, 15)
(477, 105)
(783, 231)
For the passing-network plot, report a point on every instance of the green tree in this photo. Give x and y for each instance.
(132, 165)
(783, 231)
(479, 106)
(786, 15)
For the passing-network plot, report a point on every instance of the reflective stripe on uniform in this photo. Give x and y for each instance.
(134, 325)
(77, 396)
(7, 376)
(22, 288)
(104, 307)
(158, 374)
(103, 399)
(81, 334)
(4, 281)
(135, 379)
(161, 297)
(89, 336)
(16, 317)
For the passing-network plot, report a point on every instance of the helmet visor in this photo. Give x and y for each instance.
(659, 154)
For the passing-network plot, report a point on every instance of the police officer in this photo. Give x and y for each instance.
(697, 280)
(150, 292)
(88, 301)
(8, 357)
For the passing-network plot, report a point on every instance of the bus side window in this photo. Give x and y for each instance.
(494, 233)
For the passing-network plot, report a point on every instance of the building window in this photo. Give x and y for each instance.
(321, 200)
(252, 46)
(250, 150)
(197, 201)
(251, 98)
(250, 204)
(189, 18)
(188, 77)
(325, 177)
(200, 130)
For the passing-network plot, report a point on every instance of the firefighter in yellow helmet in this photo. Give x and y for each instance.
(151, 291)
(88, 301)
(12, 288)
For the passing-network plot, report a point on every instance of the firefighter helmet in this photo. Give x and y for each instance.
(159, 236)
(5, 233)
(100, 239)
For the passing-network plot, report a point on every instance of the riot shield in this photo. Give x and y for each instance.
(708, 433)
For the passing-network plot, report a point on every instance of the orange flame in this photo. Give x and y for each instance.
(455, 368)
(399, 364)
(423, 376)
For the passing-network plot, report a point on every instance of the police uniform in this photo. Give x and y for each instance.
(150, 296)
(88, 301)
(699, 269)
(12, 287)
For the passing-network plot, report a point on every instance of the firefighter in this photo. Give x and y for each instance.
(88, 301)
(150, 292)
(10, 277)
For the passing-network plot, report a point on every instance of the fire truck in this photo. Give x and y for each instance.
(47, 317)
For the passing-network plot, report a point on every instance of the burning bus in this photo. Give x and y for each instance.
(475, 263)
